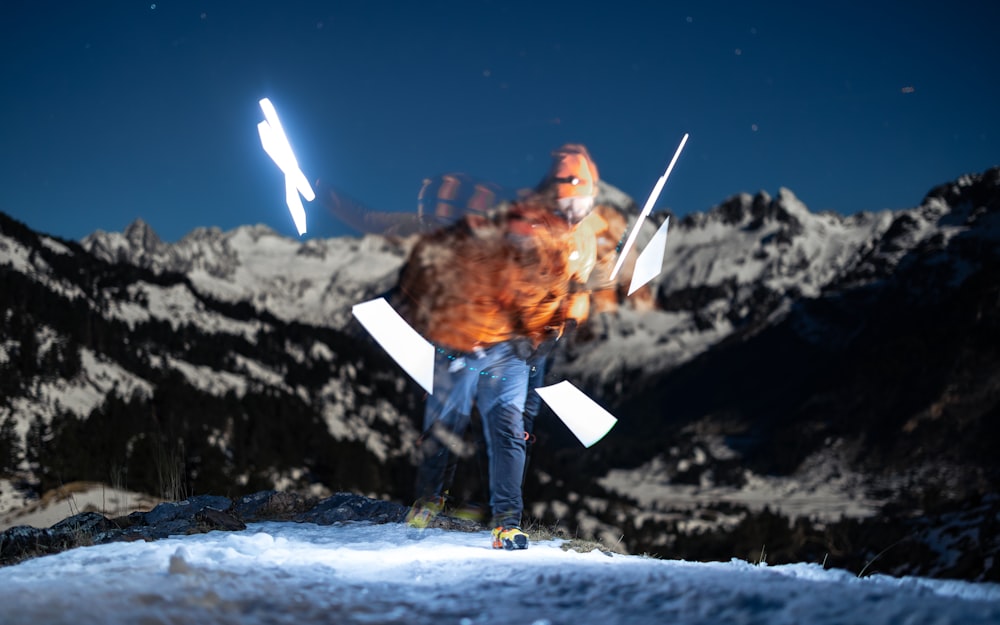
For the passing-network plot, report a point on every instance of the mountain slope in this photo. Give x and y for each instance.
(876, 400)
(111, 371)
(315, 282)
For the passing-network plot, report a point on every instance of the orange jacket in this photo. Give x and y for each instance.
(491, 279)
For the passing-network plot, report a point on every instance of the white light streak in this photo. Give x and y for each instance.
(650, 261)
(275, 143)
(587, 420)
(411, 351)
(648, 208)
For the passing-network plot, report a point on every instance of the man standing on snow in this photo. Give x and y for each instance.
(490, 292)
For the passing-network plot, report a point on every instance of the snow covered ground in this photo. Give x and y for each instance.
(363, 573)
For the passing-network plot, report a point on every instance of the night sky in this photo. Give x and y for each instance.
(113, 111)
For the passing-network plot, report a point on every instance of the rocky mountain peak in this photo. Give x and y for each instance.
(735, 208)
(760, 209)
(968, 198)
(141, 235)
(788, 205)
(202, 233)
(138, 245)
(613, 196)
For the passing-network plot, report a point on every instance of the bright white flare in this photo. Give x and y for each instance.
(411, 351)
(587, 420)
(275, 143)
(650, 260)
(653, 196)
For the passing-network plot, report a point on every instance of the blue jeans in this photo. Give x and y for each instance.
(538, 368)
(496, 380)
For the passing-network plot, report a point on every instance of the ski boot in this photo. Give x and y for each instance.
(509, 538)
(424, 511)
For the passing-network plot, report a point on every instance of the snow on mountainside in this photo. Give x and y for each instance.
(870, 398)
(734, 268)
(86, 347)
(743, 265)
(315, 282)
(965, 211)
(750, 240)
(745, 259)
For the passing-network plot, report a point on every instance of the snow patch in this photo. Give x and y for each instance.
(821, 489)
(97, 379)
(55, 246)
(258, 371)
(204, 378)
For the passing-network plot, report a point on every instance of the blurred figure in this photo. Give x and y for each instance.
(492, 292)
(442, 201)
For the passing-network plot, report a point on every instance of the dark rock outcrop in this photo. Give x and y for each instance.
(206, 513)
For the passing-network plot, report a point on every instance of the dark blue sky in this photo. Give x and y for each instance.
(118, 110)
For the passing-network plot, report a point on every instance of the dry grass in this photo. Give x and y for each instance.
(538, 533)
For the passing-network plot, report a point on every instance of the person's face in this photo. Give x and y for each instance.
(575, 209)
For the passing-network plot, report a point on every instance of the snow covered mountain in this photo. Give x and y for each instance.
(796, 368)
(729, 271)
(113, 372)
(740, 263)
(860, 398)
(314, 282)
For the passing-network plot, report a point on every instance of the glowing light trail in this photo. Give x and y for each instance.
(582, 415)
(588, 421)
(650, 202)
(650, 260)
(411, 351)
(275, 143)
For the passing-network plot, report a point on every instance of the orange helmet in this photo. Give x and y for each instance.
(571, 181)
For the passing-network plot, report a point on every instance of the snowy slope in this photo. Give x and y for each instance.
(361, 573)
(729, 270)
(315, 281)
(737, 266)
(80, 395)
